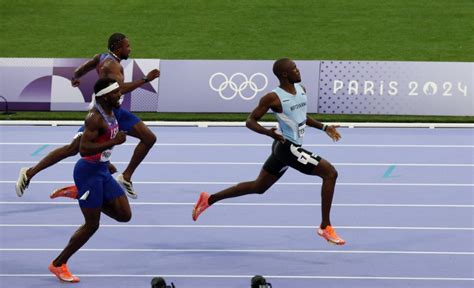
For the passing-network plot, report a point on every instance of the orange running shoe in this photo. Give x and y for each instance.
(63, 274)
(69, 192)
(201, 205)
(330, 235)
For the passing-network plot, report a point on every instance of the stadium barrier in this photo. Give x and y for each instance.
(333, 87)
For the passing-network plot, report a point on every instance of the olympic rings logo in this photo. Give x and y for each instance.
(237, 88)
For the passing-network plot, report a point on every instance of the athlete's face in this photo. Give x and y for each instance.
(113, 98)
(293, 73)
(125, 49)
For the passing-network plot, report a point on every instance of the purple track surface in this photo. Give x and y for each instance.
(404, 203)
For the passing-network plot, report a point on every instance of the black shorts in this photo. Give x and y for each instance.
(288, 154)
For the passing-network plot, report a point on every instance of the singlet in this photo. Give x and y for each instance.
(102, 58)
(292, 120)
(112, 130)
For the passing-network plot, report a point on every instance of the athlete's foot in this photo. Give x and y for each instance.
(201, 205)
(69, 192)
(127, 186)
(330, 235)
(63, 274)
(22, 182)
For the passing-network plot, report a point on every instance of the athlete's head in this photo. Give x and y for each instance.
(285, 70)
(107, 92)
(119, 45)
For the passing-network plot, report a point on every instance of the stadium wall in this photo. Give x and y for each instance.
(333, 87)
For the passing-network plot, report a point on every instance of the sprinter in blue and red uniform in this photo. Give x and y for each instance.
(106, 65)
(97, 189)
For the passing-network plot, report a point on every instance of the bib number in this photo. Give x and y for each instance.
(105, 155)
(301, 130)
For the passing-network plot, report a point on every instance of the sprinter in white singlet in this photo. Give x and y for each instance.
(289, 103)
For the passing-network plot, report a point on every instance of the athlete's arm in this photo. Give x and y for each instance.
(329, 129)
(84, 69)
(313, 123)
(269, 101)
(115, 71)
(91, 133)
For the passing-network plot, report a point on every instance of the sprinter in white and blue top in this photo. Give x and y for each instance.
(292, 119)
(289, 103)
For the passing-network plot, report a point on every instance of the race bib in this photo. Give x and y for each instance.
(301, 129)
(105, 155)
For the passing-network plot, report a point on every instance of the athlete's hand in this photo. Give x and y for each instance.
(153, 74)
(112, 168)
(277, 136)
(333, 133)
(75, 82)
(120, 138)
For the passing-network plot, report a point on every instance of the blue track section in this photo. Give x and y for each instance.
(404, 203)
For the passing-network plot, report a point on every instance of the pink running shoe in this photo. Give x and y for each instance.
(69, 192)
(330, 235)
(201, 205)
(63, 273)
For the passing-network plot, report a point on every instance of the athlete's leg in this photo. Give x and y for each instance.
(264, 181)
(54, 157)
(118, 209)
(312, 164)
(329, 176)
(134, 127)
(258, 186)
(81, 236)
(147, 140)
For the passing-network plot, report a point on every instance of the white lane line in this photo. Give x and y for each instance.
(244, 227)
(262, 145)
(264, 251)
(261, 163)
(292, 277)
(278, 183)
(74, 203)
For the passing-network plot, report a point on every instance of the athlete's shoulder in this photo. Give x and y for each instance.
(93, 118)
(269, 97)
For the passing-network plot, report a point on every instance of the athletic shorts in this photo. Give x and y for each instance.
(288, 154)
(95, 184)
(125, 118)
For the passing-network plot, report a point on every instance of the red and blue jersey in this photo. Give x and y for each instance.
(110, 133)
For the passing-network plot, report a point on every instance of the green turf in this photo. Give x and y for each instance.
(424, 30)
(151, 116)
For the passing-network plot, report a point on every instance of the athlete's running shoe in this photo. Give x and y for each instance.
(201, 205)
(127, 186)
(22, 182)
(63, 274)
(69, 192)
(330, 235)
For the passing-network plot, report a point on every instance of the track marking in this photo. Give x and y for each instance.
(73, 203)
(258, 251)
(260, 163)
(292, 277)
(278, 183)
(261, 145)
(243, 227)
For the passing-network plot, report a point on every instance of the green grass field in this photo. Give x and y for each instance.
(422, 30)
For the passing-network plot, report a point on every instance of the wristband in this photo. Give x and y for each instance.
(144, 78)
(325, 127)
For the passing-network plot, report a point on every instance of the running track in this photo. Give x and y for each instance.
(404, 203)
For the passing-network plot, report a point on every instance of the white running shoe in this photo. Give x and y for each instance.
(127, 186)
(22, 182)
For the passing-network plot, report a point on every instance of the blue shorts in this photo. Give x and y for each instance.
(125, 118)
(95, 184)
